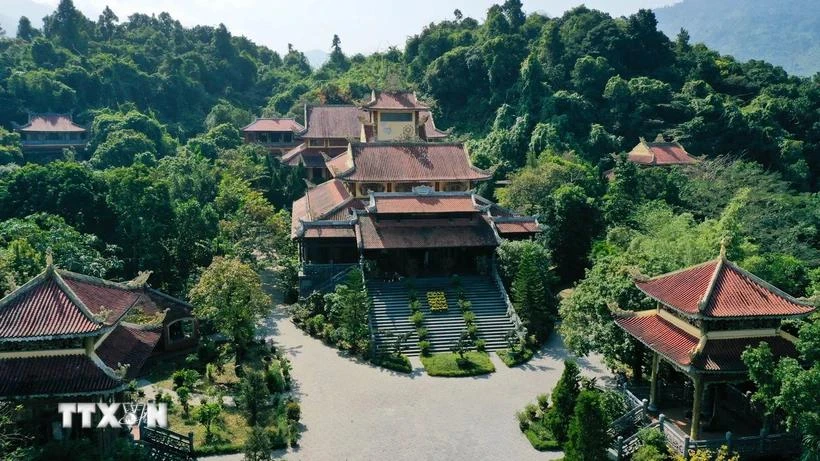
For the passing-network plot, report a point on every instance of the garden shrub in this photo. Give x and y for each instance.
(185, 377)
(417, 319)
(543, 402)
(395, 362)
(481, 345)
(472, 331)
(469, 318)
(422, 333)
(564, 394)
(293, 411)
(424, 347)
(274, 379)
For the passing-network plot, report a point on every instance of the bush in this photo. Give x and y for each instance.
(464, 305)
(513, 358)
(424, 346)
(469, 318)
(472, 331)
(531, 410)
(648, 453)
(393, 362)
(417, 319)
(563, 401)
(587, 437)
(185, 377)
(543, 402)
(523, 420)
(315, 325)
(540, 443)
(481, 345)
(423, 333)
(274, 379)
(653, 437)
(415, 306)
(293, 411)
(328, 333)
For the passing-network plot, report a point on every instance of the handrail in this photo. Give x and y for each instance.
(520, 329)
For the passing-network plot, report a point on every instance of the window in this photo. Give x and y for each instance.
(316, 142)
(396, 116)
(372, 187)
(454, 187)
(337, 142)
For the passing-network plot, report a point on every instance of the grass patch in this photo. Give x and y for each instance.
(447, 364)
(515, 358)
(541, 441)
(398, 363)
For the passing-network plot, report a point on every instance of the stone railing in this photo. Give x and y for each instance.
(630, 422)
(320, 277)
(520, 329)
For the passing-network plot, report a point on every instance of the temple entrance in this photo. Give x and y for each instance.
(430, 261)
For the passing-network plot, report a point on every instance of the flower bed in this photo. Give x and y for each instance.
(437, 301)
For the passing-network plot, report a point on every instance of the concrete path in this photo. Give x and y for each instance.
(357, 411)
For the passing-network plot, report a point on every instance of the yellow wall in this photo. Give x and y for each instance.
(395, 131)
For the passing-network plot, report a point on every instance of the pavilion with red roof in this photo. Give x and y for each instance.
(276, 134)
(50, 133)
(706, 316)
(660, 152)
(64, 334)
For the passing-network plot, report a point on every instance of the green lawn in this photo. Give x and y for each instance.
(446, 364)
(512, 359)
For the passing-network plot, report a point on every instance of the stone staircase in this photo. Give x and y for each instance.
(391, 309)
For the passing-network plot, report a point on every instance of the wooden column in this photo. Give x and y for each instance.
(697, 399)
(653, 387)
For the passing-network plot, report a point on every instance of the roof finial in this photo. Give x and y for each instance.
(49, 259)
(723, 243)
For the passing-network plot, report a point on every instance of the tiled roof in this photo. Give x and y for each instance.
(319, 202)
(424, 233)
(330, 232)
(430, 130)
(517, 227)
(43, 308)
(660, 336)
(53, 375)
(128, 346)
(97, 294)
(337, 122)
(405, 162)
(435, 203)
(728, 291)
(660, 153)
(274, 124)
(310, 157)
(725, 354)
(394, 100)
(51, 123)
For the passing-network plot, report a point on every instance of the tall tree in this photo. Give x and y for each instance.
(25, 31)
(588, 439)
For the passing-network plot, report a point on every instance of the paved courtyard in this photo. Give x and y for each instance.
(355, 411)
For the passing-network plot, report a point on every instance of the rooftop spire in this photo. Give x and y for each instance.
(49, 259)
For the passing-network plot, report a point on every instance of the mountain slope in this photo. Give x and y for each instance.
(783, 32)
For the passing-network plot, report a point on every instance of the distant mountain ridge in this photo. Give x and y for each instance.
(783, 32)
(12, 10)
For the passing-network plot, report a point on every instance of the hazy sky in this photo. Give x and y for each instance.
(364, 25)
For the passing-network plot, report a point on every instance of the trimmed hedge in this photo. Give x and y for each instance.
(446, 364)
(396, 363)
(513, 359)
(541, 444)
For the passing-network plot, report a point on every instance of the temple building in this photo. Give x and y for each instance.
(660, 152)
(50, 133)
(706, 316)
(276, 134)
(65, 336)
(388, 116)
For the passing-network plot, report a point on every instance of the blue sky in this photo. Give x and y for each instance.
(363, 25)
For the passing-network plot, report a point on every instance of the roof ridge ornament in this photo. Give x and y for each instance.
(704, 302)
(140, 280)
(49, 260)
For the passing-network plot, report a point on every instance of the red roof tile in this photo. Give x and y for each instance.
(405, 162)
(430, 130)
(725, 354)
(53, 375)
(128, 346)
(394, 100)
(318, 202)
(420, 204)
(424, 233)
(330, 232)
(335, 122)
(660, 153)
(660, 336)
(43, 309)
(517, 227)
(51, 123)
(97, 294)
(735, 292)
(274, 124)
(311, 157)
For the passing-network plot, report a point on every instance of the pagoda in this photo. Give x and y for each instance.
(64, 334)
(397, 195)
(706, 316)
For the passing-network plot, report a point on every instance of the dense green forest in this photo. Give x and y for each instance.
(786, 32)
(549, 104)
